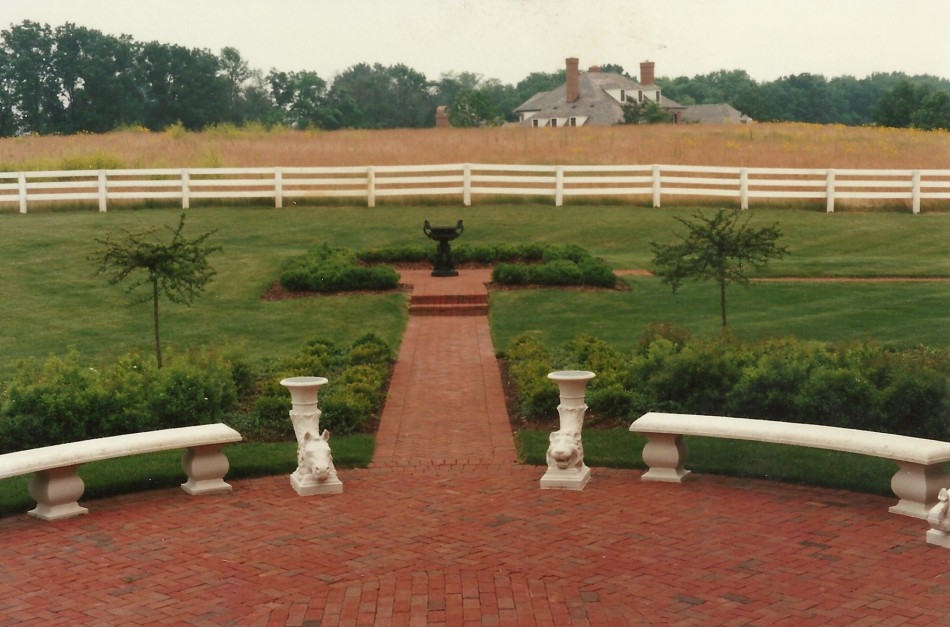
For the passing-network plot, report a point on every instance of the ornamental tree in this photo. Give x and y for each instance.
(178, 269)
(718, 248)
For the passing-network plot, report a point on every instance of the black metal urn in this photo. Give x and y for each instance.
(443, 253)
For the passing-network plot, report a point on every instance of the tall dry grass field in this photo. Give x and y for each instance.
(762, 145)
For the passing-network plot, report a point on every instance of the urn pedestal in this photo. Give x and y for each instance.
(565, 455)
(315, 473)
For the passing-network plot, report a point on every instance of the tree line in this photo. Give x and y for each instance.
(72, 79)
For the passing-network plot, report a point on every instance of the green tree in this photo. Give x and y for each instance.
(302, 99)
(378, 96)
(474, 108)
(645, 113)
(538, 82)
(933, 112)
(31, 85)
(178, 270)
(896, 107)
(236, 71)
(98, 79)
(717, 248)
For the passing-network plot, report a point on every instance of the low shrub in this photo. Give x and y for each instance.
(529, 363)
(65, 400)
(358, 378)
(861, 386)
(327, 269)
(557, 265)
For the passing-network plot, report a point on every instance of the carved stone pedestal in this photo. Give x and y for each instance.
(939, 519)
(315, 472)
(565, 455)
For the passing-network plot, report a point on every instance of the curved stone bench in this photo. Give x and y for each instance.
(56, 487)
(917, 482)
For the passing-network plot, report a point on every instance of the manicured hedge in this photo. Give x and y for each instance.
(326, 269)
(358, 379)
(859, 385)
(524, 264)
(64, 399)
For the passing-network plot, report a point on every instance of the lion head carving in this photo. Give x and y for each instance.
(565, 450)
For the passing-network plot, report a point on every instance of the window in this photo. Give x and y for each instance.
(657, 95)
(623, 96)
(573, 122)
(534, 123)
(553, 121)
(640, 96)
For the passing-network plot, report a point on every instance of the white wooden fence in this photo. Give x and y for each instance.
(470, 180)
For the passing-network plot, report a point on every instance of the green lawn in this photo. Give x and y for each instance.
(52, 301)
(899, 314)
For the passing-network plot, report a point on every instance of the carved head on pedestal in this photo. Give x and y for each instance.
(939, 516)
(565, 450)
(314, 457)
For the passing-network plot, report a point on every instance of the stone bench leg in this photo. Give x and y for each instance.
(56, 492)
(917, 487)
(205, 467)
(665, 454)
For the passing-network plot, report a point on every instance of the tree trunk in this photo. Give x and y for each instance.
(722, 302)
(158, 343)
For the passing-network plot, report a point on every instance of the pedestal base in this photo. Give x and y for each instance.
(570, 479)
(938, 538)
(312, 487)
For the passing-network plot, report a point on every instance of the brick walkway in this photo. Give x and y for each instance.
(445, 529)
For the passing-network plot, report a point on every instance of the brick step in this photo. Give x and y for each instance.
(449, 299)
(468, 309)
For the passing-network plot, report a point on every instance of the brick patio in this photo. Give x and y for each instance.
(445, 528)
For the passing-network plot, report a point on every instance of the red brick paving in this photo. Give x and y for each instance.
(448, 531)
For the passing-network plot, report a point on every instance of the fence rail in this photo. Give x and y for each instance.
(469, 180)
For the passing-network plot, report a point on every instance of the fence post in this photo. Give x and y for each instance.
(103, 192)
(744, 189)
(916, 191)
(278, 188)
(830, 191)
(371, 186)
(656, 186)
(559, 186)
(22, 181)
(467, 184)
(185, 190)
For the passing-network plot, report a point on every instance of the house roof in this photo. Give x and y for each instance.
(714, 114)
(593, 100)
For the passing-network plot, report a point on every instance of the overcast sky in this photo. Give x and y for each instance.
(508, 39)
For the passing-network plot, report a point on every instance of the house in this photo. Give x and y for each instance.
(594, 97)
(714, 114)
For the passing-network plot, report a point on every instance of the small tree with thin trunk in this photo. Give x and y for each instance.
(718, 248)
(178, 269)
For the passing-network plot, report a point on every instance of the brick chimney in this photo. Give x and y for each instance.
(646, 73)
(573, 79)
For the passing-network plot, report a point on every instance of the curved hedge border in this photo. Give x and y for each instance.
(859, 385)
(326, 269)
(65, 400)
(524, 264)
